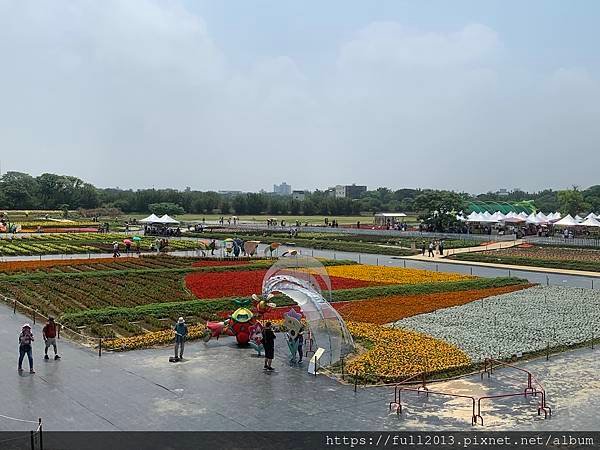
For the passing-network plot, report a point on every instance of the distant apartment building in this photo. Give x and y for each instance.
(229, 192)
(349, 191)
(503, 192)
(299, 195)
(282, 189)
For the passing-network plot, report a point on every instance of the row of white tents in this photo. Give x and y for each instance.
(164, 220)
(591, 220)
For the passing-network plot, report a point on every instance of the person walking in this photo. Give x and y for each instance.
(300, 339)
(116, 250)
(431, 249)
(423, 248)
(49, 333)
(181, 331)
(441, 247)
(212, 246)
(269, 346)
(25, 342)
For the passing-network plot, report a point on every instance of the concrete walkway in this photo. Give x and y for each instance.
(456, 251)
(222, 387)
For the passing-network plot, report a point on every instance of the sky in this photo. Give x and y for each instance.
(464, 95)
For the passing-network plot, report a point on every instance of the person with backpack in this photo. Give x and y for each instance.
(25, 342)
(269, 346)
(49, 333)
(181, 332)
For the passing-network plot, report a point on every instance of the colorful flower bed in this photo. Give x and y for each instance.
(384, 310)
(399, 354)
(151, 339)
(525, 321)
(224, 262)
(561, 258)
(245, 283)
(393, 275)
(69, 243)
(91, 264)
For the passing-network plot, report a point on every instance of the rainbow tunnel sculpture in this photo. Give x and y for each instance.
(300, 278)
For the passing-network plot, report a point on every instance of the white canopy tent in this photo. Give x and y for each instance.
(590, 222)
(167, 220)
(533, 220)
(152, 218)
(523, 215)
(567, 221)
(578, 218)
(591, 215)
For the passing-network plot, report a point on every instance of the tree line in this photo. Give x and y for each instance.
(50, 191)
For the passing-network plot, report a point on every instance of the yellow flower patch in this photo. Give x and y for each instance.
(393, 275)
(398, 354)
(151, 339)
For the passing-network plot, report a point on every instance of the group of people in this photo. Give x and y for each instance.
(26, 339)
(432, 247)
(268, 342)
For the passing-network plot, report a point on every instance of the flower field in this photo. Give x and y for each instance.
(69, 243)
(382, 310)
(92, 264)
(525, 321)
(151, 339)
(399, 354)
(562, 258)
(246, 283)
(393, 275)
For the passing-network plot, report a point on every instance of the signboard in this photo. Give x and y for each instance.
(314, 360)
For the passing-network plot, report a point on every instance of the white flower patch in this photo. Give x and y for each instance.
(519, 322)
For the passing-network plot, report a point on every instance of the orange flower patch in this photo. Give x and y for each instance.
(27, 265)
(389, 309)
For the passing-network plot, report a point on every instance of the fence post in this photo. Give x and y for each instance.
(14, 306)
(547, 351)
(359, 258)
(508, 273)
(437, 268)
(404, 263)
(343, 364)
(34, 316)
(32, 442)
(377, 260)
(471, 270)
(592, 283)
(547, 280)
(41, 434)
(100, 347)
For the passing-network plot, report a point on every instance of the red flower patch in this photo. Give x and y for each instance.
(246, 282)
(220, 262)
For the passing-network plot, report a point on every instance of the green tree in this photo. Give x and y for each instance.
(438, 209)
(20, 191)
(571, 201)
(171, 209)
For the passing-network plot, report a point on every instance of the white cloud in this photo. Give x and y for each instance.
(120, 92)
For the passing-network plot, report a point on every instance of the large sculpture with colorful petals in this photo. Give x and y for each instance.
(243, 323)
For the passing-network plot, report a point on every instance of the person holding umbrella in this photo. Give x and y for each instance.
(127, 243)
(137, 241)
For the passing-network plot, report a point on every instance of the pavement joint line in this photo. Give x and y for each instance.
(66, 394)
(148, 380)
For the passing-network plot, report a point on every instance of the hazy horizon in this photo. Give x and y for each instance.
(465, 96)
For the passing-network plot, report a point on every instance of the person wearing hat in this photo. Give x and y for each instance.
(181, 331)
(49, 333)
(25, 341)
